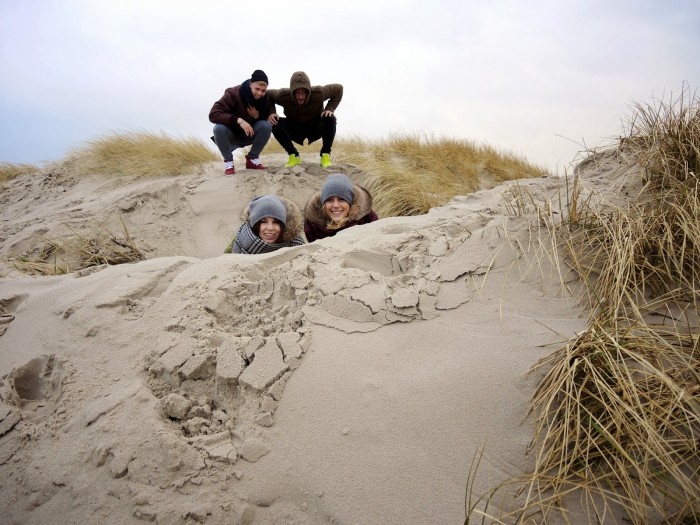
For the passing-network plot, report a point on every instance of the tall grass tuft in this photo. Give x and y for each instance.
(408, 174)
(618, 417)
(619, 410)
(617, 414)
(10, 170)
(139, 154)
(651, 246)
(665, 139)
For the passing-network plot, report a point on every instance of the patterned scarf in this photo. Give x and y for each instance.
(249, 243)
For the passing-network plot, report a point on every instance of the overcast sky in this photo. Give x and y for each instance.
(539, 78)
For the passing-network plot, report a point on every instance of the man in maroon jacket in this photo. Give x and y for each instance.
(240, 119)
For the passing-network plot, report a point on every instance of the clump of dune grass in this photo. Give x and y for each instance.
(637, 254)
(10, 170)
(617, 414)
(139, 154)
(408, 174)
(72, 251)
(665, 138)
(619, 417)
(651, 246)
(616, 432)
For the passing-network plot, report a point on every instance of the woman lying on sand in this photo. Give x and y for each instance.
(271, 223)
(339, 205)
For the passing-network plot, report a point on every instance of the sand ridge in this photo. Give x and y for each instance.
(349, 380)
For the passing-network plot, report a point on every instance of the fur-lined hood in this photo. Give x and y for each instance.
(295, 221)
(361, 207)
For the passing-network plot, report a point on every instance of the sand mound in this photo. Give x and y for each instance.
(350, 380)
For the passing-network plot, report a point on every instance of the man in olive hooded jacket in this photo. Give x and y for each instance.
(305, 116)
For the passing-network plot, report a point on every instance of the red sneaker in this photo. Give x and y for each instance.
(229, 171)
(253, 163)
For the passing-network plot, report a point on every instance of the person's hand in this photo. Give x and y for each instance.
(273, 119)
(327, 113)
(247, 128)
(253, 112)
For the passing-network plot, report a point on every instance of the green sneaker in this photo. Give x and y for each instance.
(325, 160)
(293, 161)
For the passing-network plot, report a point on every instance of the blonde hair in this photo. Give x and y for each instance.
(332, 225)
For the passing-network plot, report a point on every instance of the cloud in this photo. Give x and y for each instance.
(540, 78)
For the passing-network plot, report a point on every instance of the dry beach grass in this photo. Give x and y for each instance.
(406, 174)
(617, 414)
(10, 170)
(139, 154)
(74, 251)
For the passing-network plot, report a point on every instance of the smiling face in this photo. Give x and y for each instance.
(270, 230)
(336, 209)
(259, 89)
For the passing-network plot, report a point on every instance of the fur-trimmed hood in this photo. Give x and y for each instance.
(361, 207)
(294, 226)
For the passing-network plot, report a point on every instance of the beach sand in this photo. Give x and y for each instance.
(351, 380)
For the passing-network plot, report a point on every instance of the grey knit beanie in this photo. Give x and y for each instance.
(337, 185)
(267, 206)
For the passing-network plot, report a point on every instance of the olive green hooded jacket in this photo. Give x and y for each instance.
(313, 105)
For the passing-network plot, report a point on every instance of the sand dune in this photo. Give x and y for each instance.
(350, 380)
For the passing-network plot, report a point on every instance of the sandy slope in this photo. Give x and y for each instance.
(348, 381)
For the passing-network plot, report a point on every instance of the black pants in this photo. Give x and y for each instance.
(287, 131)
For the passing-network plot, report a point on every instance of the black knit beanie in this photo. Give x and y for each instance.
(259, 76)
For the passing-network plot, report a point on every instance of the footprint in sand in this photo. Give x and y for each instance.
(7, 308)
(36, 387)
(5, 320)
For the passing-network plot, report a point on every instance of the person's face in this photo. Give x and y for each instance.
(300, 96)
(336, 209)
(259, 89)
(270, 230)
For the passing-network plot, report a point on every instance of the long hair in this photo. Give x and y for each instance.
(333, 225)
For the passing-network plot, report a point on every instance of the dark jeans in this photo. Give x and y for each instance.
(288, 130)
(228, 139)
